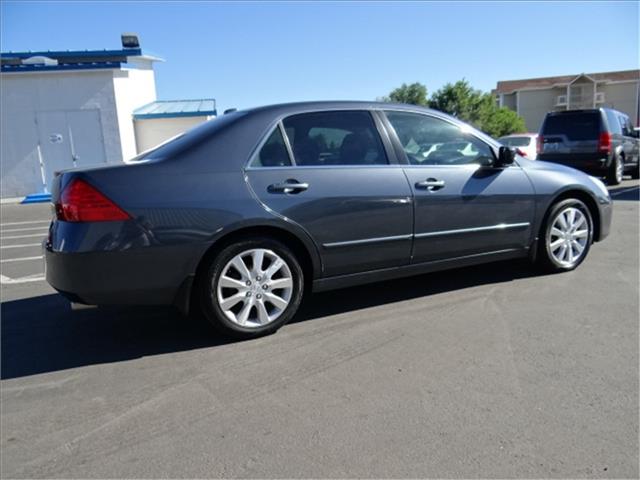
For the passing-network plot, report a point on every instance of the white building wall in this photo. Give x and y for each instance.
(153, 131)
(533, 105)
(133, 88)
(24, 94)
(622, 97)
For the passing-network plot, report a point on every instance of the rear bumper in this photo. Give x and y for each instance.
(596, 165)
(118, 278)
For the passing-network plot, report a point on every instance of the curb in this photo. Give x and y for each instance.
(33, 198)
(11, 200)
(37, 198)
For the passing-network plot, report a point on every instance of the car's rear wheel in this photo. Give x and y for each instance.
(616, 171)
(252, 288)
(566, 236)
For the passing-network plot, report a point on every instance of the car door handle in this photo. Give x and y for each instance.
(430, 184)
(289, 186)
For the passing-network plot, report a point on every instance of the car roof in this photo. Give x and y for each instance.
(287, 109)
(526, 134)
(580, 110)
(296, 107)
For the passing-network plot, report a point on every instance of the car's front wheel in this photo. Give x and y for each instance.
(251, 288)
(566, 236)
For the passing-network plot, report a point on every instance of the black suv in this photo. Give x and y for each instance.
(601, 142)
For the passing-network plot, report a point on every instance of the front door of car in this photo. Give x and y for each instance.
(329, 173)
(463, 205)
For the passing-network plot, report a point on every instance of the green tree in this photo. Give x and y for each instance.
(501, 121)
(415, 94)
(478, 108)
(459, 100)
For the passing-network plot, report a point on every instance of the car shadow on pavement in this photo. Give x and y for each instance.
(42, 334)
(376, 294)
(626, 193)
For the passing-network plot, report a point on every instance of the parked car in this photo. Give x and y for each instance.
(241, 215)
(525, 143)
(601, 142)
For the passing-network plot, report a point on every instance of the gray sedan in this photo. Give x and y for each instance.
(240, 216)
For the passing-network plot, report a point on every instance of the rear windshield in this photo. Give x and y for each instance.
(575, 126)
(188, 139)
(515, 141)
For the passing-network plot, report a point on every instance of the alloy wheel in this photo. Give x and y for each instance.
(567, 239)
(619, 169)
(254, 288)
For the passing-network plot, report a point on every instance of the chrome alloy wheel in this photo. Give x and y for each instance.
(619, 169)
(568, 237)
(254, 288)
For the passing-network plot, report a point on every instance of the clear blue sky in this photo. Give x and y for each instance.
(246, 54)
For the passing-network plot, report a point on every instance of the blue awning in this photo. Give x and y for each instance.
(71, 59)
(177, 108)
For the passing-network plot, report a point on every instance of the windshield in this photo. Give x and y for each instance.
(515, 141)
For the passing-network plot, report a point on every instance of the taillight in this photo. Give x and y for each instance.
(521, 152)
(539, 142)
(604, 142)
(80, 202)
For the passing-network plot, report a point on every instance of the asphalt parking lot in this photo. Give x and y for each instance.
(491, 371)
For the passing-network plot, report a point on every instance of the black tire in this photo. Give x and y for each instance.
(612, 173)
(545, 259)
(207, 293)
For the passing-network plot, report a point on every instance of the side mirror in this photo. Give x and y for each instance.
(506, 156)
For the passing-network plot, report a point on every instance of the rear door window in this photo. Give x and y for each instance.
(575, 126)
(335, 138)
(630, 131)
(625, 125)
(614, 122)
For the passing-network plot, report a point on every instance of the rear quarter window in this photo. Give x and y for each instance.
(613, 120)
(575, 126)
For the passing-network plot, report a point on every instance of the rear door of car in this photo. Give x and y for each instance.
(334, 173)
(628, 139)
(571, 138)
(462, 208)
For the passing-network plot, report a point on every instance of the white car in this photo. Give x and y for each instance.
(525, 143)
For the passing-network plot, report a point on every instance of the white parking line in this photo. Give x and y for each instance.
(14, 237)
(620, 192)
(24, 223)
(24, 245)
(21, 259)
(44, 228)
(29, 278)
